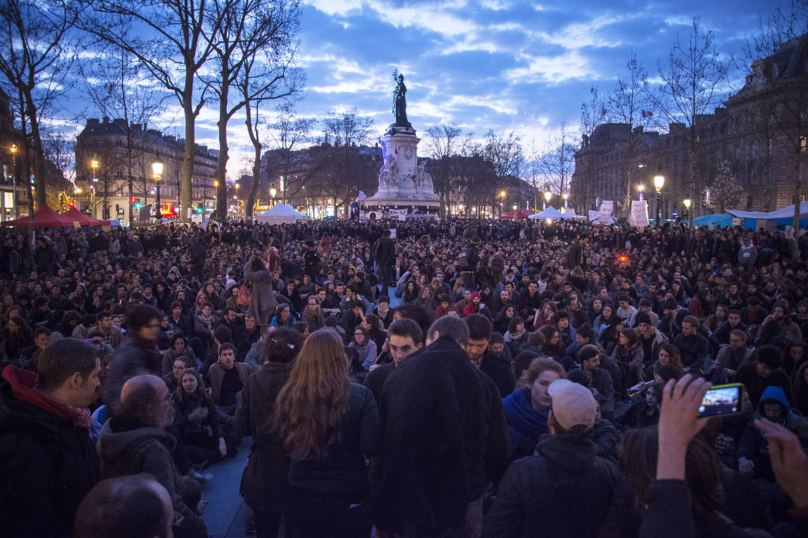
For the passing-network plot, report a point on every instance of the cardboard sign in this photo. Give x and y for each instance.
(736, 221)
(639, 214)
(605, 215)
(393, 233)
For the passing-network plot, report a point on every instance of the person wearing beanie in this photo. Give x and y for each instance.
(529, 496)
(650, 338)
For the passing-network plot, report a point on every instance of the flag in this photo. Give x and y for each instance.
(647, 114)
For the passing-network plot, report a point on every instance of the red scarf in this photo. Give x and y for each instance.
(24, 387)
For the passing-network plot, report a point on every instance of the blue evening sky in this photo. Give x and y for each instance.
(506, 65)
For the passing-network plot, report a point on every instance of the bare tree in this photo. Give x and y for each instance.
(625, 106)
(36, 57)
(171, 39)
(344, 169)
(778, 85)
(118, 87)
(504, 153)
(248, 30)
(289, 134)
(593, 114)
(725, 190)
(694, 76)
(443, 145)
(557, 164)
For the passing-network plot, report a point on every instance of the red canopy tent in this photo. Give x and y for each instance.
(518, 215)
(44, 217)
(77, 216)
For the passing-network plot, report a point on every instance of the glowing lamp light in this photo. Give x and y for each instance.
(548, 195)
(659, 182)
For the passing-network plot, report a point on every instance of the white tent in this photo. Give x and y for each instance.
(550, 213)
(278, 214)
(570, 214)
(298, 216)
(784, 213)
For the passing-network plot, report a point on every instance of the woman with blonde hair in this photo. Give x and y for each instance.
(329, 427)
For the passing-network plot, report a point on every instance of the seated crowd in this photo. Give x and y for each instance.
(466, 378)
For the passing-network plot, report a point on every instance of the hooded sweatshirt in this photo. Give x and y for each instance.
(545, 491)
(128, 447)
(753, 442)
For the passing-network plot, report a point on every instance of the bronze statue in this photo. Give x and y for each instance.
(400, 99)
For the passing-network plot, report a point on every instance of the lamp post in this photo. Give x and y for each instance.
(659, 182)
(215, 213)
(689, 219)
(641, 188)
(272, 192)
(14, 166)
(566, 198)
(547, 196)
(94, 166)
(157, 171)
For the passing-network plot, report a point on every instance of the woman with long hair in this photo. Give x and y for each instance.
(365, 347)
(17, 336)
(667, 354)
(628, 354)
(553, 346)
(194, 414)
(177, 347)
(329, 426)
(263, 484)
(544, 316)
(411, 291)
(604, 318)
(503, 319)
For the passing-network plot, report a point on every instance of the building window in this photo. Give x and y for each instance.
(8, 199)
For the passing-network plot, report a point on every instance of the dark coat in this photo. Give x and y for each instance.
(134, 357)
(525, 424)
(375, 380)
(263, 484)
(500, 370)
(47, 466)
(386, 252)
(565, 490)
(444, 437)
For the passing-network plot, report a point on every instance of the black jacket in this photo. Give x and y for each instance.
(500, 370)
(47, 466)
(444, 437)
(386, 252)
(263, 484)
(565, 490)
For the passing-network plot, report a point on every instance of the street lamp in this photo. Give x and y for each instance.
(689, 220)
(659, 182)
(566, 197)
(14, 165)
(157, 171)
(94, 166)
(547, 196)
(272, 192)
(641, 188)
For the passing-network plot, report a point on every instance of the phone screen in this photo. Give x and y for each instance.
(721, 401)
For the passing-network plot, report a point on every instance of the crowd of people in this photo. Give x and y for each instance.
(455, 378)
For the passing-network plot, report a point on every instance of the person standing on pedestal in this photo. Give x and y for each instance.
(385, 259)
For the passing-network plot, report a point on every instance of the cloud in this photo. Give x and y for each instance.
(502, 65)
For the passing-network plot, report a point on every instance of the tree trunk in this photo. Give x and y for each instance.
(795, 244)
(256, 180)
(190, 150)
(220, 174)
(39, 154)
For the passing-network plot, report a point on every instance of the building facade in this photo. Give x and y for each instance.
(11, 194)
(741, 137)
(122, 179)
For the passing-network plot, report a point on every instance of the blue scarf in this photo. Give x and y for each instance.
(525, 424)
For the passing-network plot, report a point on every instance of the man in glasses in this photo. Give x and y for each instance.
(135, 441)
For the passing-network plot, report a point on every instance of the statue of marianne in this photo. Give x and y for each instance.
(400, 99)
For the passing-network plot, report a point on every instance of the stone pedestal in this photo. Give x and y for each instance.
(402, 181)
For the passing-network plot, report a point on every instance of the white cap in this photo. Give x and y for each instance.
(573, 404)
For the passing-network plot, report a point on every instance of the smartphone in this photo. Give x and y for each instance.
(722, 400)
